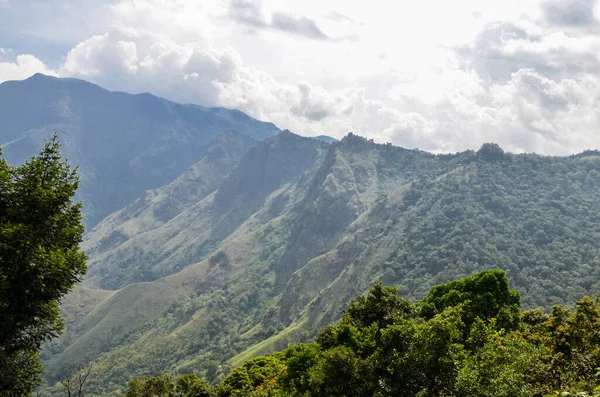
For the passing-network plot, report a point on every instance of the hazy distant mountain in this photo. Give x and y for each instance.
(299, 227)
(124, 144)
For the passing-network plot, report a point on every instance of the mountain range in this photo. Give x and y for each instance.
(123, 144)
(260, 240)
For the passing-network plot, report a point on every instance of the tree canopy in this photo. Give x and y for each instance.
(467, 337)
(40, 260)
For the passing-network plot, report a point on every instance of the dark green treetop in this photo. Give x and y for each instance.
(485, 295)
(40, 260)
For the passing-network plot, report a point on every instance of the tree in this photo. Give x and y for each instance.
(421, 358)
(300, 359)
(485, 295)
(490, 152)
(431, 352)
(162, 385)
(382, 305)
(40, 260)
(338, 373)
(252, 376)
(75, 379)
(191, 386)
(159, 385)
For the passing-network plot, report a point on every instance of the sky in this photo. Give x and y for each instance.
(442, 76)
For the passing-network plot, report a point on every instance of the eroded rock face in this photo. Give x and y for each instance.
(200, 209)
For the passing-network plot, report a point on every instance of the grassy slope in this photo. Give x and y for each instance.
(156, 320)
(148, 249)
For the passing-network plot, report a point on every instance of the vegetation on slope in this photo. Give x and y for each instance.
(466, 338)
(172, 321)
(255, 191)
(154, 209)
(534, 217)
(289, 257)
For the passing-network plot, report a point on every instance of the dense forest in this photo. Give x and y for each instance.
(467, 338)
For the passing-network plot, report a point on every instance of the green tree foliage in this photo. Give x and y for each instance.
(466, 338)
(535, 217)
(339, 372)
(40, 261)
(417, 220)
(382, 306)
(256, 378)
(299, 359)
(151, 386)
(191, 386)
(485, 295)
(161, 385)
(497, 365)
(490, 152)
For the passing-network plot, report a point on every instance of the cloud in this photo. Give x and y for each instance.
(192, 74)
(23, 67)
(298, 25)
(541, 82)
(502, 49)
(548, 115)
(119, 61)
(487, 55)
(570, 13)
(249, 12)
(528, 82)
(339, 17)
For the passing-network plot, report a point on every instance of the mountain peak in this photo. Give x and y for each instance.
(281, 157)
(325, 138)
(41, 77)
(38, 76)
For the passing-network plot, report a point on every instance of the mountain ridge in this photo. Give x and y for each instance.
(217, 215)
(124, 144)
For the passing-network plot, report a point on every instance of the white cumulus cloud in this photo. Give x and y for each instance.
(523, 73)
(22, 67)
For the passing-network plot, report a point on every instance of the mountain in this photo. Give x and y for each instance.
(145, 248)
(123, 144)
(325, 138)
(155, 208)
(299, 227)
(240, 218)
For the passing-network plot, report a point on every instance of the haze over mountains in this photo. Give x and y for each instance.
(229, 244)
(124, 144)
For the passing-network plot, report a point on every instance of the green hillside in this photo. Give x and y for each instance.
(300, 227)
(155, 209)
